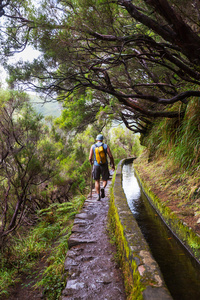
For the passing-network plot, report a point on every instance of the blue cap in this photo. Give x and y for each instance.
(99, 137)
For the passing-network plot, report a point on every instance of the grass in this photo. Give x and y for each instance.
(172, 161)
(47, 241)
(179, 140)
(181, 185)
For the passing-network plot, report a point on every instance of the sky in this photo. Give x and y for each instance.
(29, 54)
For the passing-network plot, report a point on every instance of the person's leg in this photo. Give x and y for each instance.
(105, 177)
(97, 186)
(96, 176)
(103, 189)
(104, 183)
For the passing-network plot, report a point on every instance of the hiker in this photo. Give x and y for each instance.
(100, 167)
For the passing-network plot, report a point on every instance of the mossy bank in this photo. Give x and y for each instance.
(174, 194)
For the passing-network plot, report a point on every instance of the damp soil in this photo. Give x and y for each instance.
(25, 288)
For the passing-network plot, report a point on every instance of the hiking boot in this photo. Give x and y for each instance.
(102, 193)
(99, 198)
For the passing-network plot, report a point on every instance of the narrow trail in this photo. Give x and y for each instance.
(92, 271)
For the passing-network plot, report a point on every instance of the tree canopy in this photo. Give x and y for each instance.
(138, 60)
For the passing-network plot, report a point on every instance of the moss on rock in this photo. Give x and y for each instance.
(142, 276)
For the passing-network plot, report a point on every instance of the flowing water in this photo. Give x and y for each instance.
(180, 270)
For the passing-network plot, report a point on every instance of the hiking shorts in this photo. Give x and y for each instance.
(101, 170)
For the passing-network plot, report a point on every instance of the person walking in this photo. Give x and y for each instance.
(98, 158)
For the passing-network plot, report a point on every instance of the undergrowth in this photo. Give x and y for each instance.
(49, 241)
(178, 139)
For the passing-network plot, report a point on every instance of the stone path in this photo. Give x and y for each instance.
(92, 271)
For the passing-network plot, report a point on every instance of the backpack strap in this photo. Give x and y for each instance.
(99, 146)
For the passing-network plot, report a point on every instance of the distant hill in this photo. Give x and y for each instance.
(52, 108)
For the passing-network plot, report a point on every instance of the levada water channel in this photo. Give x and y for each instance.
(180, 270)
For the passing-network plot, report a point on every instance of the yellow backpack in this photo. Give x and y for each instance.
(100, 154)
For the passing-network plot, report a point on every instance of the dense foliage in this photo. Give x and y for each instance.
(179, 141)
(27, 159)
(50, 236)
(133, 59)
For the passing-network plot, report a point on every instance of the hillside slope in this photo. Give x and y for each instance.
(178, 189)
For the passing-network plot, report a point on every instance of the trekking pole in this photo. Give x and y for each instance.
(91, 183)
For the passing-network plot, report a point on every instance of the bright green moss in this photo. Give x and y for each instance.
(132, 279)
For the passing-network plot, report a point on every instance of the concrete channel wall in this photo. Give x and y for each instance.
(142, 276)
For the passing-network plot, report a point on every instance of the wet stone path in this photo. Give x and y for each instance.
(90, 264)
